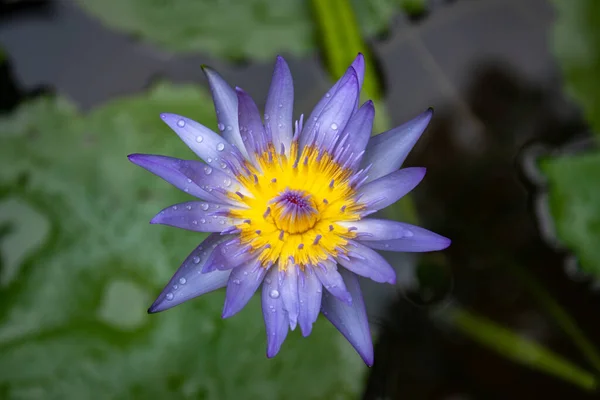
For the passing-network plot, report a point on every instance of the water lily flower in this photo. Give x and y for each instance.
(287, 205)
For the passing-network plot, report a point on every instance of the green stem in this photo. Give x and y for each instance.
(518, 349)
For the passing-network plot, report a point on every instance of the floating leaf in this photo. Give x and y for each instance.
(574, 196)
(72, 316)
(577, 47)
(254, 29)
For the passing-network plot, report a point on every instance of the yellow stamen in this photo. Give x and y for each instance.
(293, 208)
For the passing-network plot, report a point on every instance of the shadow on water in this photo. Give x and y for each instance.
(483, 201)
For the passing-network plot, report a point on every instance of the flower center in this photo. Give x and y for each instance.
(294, 211)
(293, 205)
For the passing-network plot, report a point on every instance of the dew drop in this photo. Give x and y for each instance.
(199, 139)
(274, 294)
(196, 260)
(280, 125)
(174, 207)
(229, 128)
(246, 273)
(334, 126)
(408, 234)
(222, 222)
(280, 105)
(268, 280)
(207, 170)
(169, 296)
(327, 94)
(220, 147)
(189, 180)
(181, 123)
(236, 281)
(175, 286)
(202, 220)
(182, 281)
(387, 246)
(188, 207)
(221, 127)
(209, 160)
(227, 182)
(266, 117)
(204, 206)
(195, 222)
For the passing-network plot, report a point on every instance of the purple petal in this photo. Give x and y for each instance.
(359, 66)
(174, 171)
(280, 105)
(209, 146)
(334, 116)
(388, 235)
(387, 151)
(368, 263)
(289, 294)
(189, 282)
(390, 188)
(276, 318)
(356, 135)
(328, 274)
(351, 320)
(356, 69)
(228, 255)
(309, 293)
(226, 107)
(193, 177)
(196, 216)
(242, 284)
(253, 132)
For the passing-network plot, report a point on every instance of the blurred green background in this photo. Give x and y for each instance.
(513, 169)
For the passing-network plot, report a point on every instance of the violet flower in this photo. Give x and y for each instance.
(287, 205)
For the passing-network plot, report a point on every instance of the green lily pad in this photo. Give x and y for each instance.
(249, 29)
(72, 314)
(577, 47)
(574, 196)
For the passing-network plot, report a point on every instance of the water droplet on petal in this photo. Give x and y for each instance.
(196, 260)
(207, 170)
(408, 234)
(182, 281)
(334, 126)
(181, 123)
(274, 294)
(195, 222)
(327, 94)
(280, 105)
(169, 296)
(236, 281)
(268, 280)
(266, 117)
(209, 160)
(174, 207)
(189, 180)
(204, 206)
(227, 182)
(222, 222)
(221, 127)
(202, 220)
(220, 147)
(229, 127)
(175, 286)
